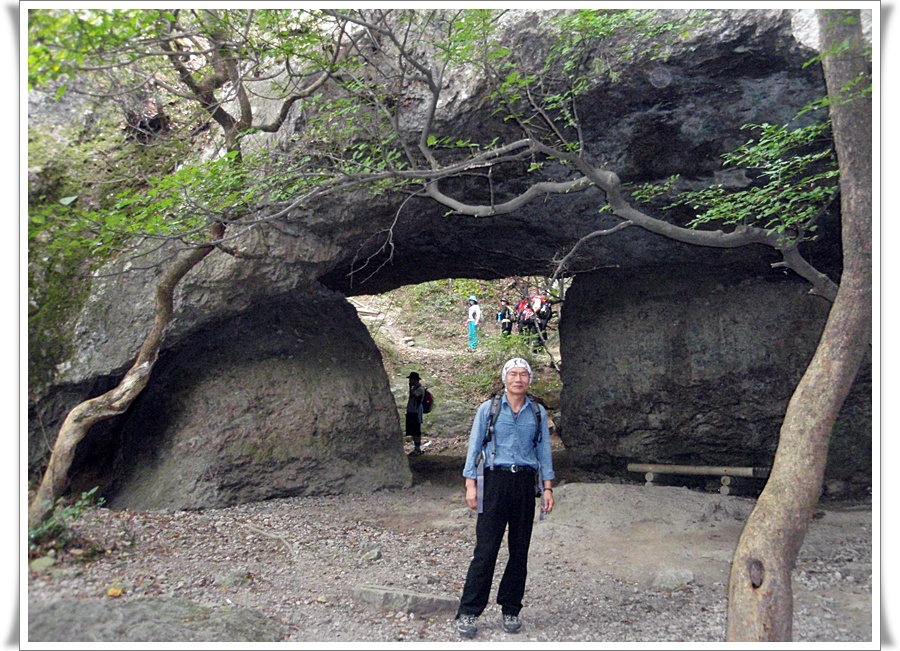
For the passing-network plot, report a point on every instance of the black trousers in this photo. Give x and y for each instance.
(413, 427)
(508, 501)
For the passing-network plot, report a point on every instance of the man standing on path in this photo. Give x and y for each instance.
(519, 448)
(473, 321)
(414, 412)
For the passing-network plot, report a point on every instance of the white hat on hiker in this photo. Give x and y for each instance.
(517, 362)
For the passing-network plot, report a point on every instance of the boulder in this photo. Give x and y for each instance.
(692, 365)
(288, 399)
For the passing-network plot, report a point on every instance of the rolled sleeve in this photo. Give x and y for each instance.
(544, 453)
(476, 438)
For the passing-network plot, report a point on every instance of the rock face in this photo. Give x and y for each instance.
(691, 365)
(668, 356)
(237, 413)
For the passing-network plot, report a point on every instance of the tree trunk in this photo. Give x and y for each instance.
(760, 598)
(115, 401)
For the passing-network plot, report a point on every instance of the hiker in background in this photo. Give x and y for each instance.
(519, 448)
(473, 321)
(505, 317)
(527, 321)
(414, 412)
(543, 314)
(521, 316)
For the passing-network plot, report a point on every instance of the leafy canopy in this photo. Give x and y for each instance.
(797, 174)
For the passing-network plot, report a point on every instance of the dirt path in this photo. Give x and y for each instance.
(614, 562)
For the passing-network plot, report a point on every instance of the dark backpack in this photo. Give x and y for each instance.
(427, 402)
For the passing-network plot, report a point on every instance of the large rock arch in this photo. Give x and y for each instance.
(235, 318)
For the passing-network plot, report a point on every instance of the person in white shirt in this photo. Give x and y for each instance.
(473, 321)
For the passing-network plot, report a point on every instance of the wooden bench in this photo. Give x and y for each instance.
(725, 473)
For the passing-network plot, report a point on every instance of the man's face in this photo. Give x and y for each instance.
(517, 381)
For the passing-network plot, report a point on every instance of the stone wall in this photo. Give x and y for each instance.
(694, 365)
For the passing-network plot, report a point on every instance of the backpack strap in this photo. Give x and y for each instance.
(538, 433)
(537, 418)
(493, 415)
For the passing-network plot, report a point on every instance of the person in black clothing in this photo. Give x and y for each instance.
(414, 412)
(505, 317)
(543, 315)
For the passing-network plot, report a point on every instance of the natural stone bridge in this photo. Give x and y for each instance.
(270, 385)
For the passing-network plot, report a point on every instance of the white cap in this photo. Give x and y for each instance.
(517, 362)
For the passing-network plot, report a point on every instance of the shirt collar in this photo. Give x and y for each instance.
(505, 400)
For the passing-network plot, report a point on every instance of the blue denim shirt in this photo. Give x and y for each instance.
(514, 437)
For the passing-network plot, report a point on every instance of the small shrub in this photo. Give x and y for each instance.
(56, 531)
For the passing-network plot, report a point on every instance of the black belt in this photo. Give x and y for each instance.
(515, 468)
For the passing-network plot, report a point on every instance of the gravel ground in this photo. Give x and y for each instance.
(595, 567)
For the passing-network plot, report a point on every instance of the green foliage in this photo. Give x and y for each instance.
(435, 297)
(795, 174)
(862, 49)
(465, 287)
(180, 203)
(648, 192)
(60, 41)
(56, 531)
(593, 42)
(75, 179)
(65, 42)
(470, 36)
(497, 350)
(452, 294)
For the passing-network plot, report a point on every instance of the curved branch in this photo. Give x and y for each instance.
(822, 285)
(338, 54)
(115, 401)
(537, 190)
(610, 184)
(563, 264)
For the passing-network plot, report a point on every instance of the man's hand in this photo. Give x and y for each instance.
(547, 501)
(471, 494)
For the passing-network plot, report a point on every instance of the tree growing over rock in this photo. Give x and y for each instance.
(206, 57)
(371, 83)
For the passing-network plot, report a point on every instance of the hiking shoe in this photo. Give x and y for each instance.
(465, 624)
(511, 623)
(415, 453)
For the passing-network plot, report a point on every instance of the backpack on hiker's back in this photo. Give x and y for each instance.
(427, 402)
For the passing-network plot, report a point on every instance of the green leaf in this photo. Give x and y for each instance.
(68, 200)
